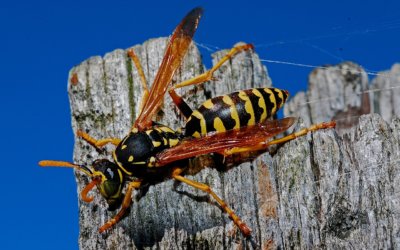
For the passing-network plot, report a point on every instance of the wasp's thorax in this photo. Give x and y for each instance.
(135, 155)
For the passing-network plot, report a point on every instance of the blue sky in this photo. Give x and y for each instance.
(41, 40)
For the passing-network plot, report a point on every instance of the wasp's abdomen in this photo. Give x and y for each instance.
(238, 109)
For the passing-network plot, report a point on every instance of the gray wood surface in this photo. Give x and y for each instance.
(318, 191)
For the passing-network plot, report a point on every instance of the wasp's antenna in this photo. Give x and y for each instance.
(50, 163)
(90, 186)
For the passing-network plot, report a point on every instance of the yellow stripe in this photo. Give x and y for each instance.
(130, 159)
(226, 99)
(152, 162)
(219, 125)
(173, 142)
(167, 129)
(156, 143)
(196, 134)
(234, 114)
(199, 116)
(118, 193)
(119, 164)
(248, 107)
(272, 99)
(208, 104)
(261, 104)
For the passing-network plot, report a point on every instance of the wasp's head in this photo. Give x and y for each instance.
(109, 180)
(104, 174)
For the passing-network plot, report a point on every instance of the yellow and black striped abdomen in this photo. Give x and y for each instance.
(235, 110)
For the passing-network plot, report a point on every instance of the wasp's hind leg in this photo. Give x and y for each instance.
(138, 65)
(126, 203)
(176, 174)
(206, 76)
(266, 144)
(98, 144)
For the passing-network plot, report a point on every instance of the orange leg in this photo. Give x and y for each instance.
(265, 145)
(208, 75)
(125, 205)
(97, 143)
(135, 59)
(239, 223)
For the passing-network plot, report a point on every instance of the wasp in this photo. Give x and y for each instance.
(230, 124)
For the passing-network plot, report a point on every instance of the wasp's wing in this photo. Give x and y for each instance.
(174, 54)
(219, 142)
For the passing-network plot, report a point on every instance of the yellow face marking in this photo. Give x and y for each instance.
(156, 143)
(148, 132)
(261, 104)
(120, 175)
(208, 104)
(124, 147)
(119, 164)
(199, 116)
(173, 142)
(219, 125)
(272, 99)
(234, 114)
(130, 159)
(248, 107)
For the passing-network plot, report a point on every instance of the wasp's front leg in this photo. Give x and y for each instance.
(98, 144)
(125, 205)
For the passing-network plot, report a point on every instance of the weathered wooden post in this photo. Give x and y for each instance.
(319, 191)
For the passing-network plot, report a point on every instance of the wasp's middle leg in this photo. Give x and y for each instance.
(97, 143)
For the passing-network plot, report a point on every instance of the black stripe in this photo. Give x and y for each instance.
(254, 103)
(244, 117)
(192, 126)
(279, 101)
(268, 104)
(285, 96)
(221, 110)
